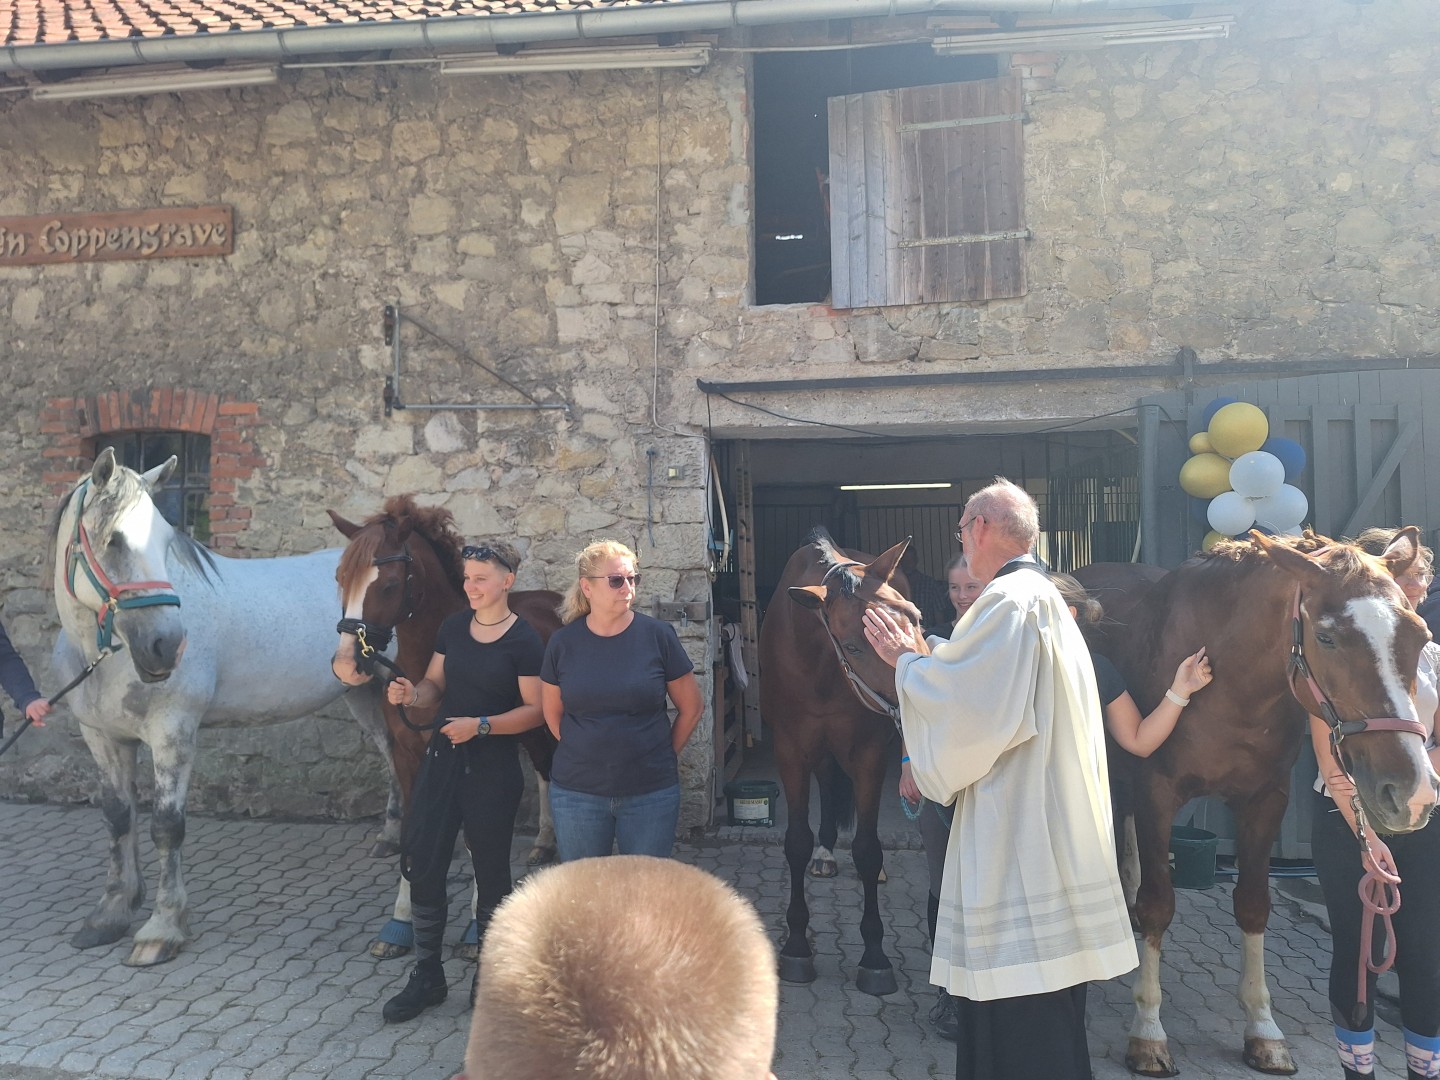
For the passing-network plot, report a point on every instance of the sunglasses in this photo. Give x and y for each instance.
(486, 554)
(616, 580)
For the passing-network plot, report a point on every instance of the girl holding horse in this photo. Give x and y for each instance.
(608, 672)
(485, 678)
(1415, 857)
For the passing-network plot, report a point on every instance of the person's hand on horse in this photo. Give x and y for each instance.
(36, 711)
(889, 638)
(1192, 674)
(401, 691)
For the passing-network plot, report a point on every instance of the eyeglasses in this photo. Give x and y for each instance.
(485, 554)
(960, 532)
(616, 580)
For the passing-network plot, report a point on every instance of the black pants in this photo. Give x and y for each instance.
(483, 799)
(1037, 1037)
(1417, 924)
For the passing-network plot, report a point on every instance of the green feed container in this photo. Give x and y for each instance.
(752, 802)
(1192, 854)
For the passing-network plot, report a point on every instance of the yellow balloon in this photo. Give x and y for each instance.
(1205, 476)
(1211, 539)
(1200, 443)
(1237, 429)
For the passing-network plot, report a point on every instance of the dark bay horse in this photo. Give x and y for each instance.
(401, 574)
(1259, 606)
(819, 717)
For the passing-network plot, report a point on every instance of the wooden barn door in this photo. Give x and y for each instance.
(1365, 443)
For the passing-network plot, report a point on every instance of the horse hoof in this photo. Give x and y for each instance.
(797, 969)
(823, 868)
(1269, 1056)
(876, 982)
(89, 937)
(1150, 1057)
(151, 953)
(541, 856)
(387, 950)
(384, 849)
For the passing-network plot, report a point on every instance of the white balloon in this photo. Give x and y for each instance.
(1283, 509)
(1257, 474)
(1297, 529)
(1230, 513)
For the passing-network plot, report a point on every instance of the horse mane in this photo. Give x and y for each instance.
(1338, 556)
(122, 492)
(435, 524)
(831, 555)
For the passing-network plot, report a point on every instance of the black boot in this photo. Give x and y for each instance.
(427, 979)
(943, 1017)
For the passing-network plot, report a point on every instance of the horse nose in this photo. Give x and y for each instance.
(158, 654)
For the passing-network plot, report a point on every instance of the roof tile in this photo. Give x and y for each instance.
(49, 22)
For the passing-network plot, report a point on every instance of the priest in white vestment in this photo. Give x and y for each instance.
(1004, 721)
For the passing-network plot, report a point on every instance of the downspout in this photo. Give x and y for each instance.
(464, 33)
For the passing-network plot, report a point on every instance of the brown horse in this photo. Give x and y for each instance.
(401, 574)
(819, 717)
(1265, 609)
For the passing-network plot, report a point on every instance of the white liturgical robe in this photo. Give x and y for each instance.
(1004, 721)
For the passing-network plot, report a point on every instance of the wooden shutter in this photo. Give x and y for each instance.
(927, 194)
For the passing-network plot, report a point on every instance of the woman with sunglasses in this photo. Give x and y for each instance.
(485, 678)
(604, 686)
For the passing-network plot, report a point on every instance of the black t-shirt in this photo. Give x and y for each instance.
(484, 680)
(1109, 681)
(615, 730)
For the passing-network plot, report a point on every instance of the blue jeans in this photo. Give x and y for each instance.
(590, 825)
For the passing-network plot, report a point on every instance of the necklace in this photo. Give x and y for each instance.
(476, 619)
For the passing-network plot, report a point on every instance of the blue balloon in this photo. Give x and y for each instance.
(1214, 407)
(1199, 509)
(1291, 455)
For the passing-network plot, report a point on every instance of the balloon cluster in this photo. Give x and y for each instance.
(1238, 477)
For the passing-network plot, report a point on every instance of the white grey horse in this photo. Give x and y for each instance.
(207, 640)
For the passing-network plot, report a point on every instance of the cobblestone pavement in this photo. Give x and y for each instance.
(277, 982)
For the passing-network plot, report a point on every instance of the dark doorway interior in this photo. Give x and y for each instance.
(792, 151)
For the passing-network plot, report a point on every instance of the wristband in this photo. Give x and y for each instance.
(904, 759)
(1177, 699)
(414, 696)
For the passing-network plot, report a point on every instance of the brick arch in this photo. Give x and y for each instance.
(73, 424)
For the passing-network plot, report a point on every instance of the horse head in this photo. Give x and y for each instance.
(113, 565)
(384, 574)
(847, 589)
(1355, 652)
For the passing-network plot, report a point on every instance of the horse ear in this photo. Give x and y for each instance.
(104, 468)
(1295, 563)
(348, 529)
(810, 596)
(885, 565)
(159, 474)
(1403, 550)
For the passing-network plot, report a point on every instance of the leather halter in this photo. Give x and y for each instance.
(371, 640)
(1379, 898)
(867, 696)
(79, 555)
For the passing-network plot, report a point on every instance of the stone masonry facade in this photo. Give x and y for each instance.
(1266, 197)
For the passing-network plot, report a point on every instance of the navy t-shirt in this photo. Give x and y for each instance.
(615, 730)
(1109, 681)
(484, 680)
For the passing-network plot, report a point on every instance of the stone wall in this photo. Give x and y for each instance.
(1261, 198)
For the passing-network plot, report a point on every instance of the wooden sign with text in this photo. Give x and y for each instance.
(168, 233)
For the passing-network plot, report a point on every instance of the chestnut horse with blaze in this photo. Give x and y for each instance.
(816, 675)
(401, 574)
(1291, 627)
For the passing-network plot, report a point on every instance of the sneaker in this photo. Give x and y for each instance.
(944, 1017)
(425, 988)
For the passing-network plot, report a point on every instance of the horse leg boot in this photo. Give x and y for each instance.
(124, 889)
(426, 986)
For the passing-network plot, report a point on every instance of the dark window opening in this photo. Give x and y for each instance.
(182, 498)
(792, 151)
